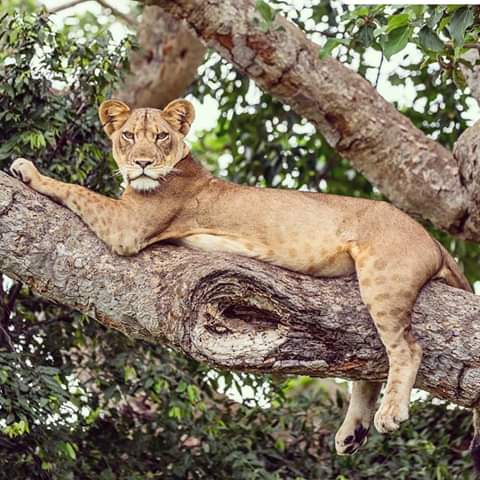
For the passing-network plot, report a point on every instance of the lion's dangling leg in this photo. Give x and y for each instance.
(353, 432)
(389, 289)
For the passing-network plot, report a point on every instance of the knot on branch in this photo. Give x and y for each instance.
(261, 323)
(236, 323)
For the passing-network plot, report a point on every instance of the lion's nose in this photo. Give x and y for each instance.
(144, 163)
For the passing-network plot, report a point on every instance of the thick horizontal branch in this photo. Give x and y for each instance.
(230, 311)
(413, 171)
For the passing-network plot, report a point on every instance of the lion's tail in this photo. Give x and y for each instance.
(450, 271)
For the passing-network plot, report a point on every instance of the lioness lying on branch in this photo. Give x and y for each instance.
(168, 196)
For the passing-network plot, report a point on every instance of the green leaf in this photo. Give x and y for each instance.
(266, 12)
(129, 373)
(459, 78)
(452, 8)
(396, 41)
(358, 12)
(280, 444)
(68, 449)
(330, 44)
(366, 35)
(182, 386)
(429, 40)
(417, 10)
(397, 21)
(461, 20)
(435, 16)
(16, 429)
(175, 412)
(192, 393)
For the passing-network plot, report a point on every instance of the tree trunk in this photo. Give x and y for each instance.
(165, 64)
(414, 172)
(229, 311)
(472, 72)
(467, 156)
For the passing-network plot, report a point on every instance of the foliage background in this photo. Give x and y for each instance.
(80, 401)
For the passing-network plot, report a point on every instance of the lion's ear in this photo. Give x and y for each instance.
(113, 114)
(180, 114)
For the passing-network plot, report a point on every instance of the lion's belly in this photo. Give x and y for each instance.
(314, 260)
(218, 243)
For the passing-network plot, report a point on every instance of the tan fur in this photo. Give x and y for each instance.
(173, 198)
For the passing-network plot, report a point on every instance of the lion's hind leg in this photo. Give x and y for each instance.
(353, 432)
(390, 288)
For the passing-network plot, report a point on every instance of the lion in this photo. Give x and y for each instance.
(170, 197)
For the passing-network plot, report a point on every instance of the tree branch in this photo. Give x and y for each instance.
(66, 5)
(472, 71)
(122, 16)
(117, 13)
(229, 311)
(416, 173)
(165, 64)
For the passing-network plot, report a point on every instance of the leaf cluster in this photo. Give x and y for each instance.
(443, 34)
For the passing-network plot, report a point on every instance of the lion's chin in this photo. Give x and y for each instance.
(144, 184)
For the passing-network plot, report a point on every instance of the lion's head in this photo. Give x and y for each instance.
(147, 143)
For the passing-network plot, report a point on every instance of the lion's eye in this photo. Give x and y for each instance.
(162, 136)
(128, 136)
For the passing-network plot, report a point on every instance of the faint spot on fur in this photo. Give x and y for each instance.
(361, 262)
(406, 294)
(380, 264)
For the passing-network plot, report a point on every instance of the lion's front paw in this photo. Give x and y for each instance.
(390, 415)
(24, 170)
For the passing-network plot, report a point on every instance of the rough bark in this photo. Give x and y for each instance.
(467, 155)
(472, 72)
(413, 171)
(230, 311)
(165, 64)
